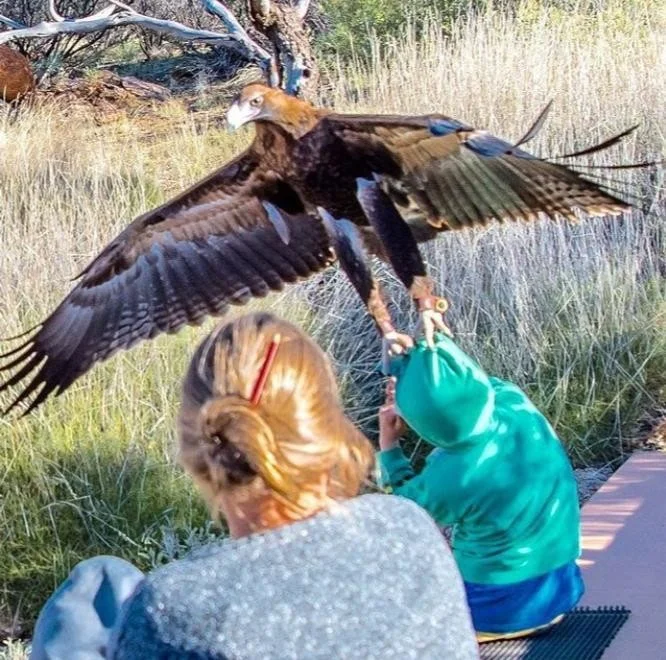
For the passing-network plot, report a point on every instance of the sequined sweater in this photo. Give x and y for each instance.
(372, 578)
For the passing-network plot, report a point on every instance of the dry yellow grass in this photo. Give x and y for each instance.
(575, 315)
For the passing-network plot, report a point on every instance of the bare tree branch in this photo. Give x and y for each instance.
(291, 62)
(219, 10)
(302, 7)
(122, 5)
(54, 12)
(254, 50)
(11, 23)
(104, 20)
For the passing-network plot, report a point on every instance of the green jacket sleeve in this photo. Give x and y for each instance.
(394, 467)
(430, 489)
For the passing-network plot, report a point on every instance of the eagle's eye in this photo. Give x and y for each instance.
(256, 101)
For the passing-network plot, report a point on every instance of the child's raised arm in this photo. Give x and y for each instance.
(391, 425)
(449, 401)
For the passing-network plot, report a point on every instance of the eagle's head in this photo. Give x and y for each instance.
(258, 102)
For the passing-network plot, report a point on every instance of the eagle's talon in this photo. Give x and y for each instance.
(431, 312)
(393, 344)
(397, 343)
(431, 322)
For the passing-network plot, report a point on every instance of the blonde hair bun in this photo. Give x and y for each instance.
(297, 440)
(226, 422)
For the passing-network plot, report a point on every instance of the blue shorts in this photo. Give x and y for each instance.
(505, 608)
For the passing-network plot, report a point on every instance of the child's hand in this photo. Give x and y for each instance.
(391, 426)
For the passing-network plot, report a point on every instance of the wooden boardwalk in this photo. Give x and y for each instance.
(624, 554)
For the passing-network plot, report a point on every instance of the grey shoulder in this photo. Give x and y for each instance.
(395, 507)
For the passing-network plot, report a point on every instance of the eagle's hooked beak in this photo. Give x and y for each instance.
(239, 114)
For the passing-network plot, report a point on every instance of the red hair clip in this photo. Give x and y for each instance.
(258, 389)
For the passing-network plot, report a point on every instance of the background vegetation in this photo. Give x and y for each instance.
(575, 314)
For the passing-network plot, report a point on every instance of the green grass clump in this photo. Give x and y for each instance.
(91, 475)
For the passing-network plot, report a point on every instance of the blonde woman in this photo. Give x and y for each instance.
(312, 568)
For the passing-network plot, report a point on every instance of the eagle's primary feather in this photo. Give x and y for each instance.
(256, 224)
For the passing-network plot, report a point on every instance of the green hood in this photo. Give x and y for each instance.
(443, 395)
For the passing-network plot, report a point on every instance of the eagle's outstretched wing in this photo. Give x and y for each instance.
(444, 174)
(219, 243)
(418, 176)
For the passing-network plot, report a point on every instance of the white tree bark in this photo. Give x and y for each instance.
(302, 7)
(95, 24)
(270, 18)
(10, 23)
(119, 15)
(54, 12)
(235, 28)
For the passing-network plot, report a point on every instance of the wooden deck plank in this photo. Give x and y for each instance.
(624, 554)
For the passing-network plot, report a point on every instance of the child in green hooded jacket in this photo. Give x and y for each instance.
(498, 475)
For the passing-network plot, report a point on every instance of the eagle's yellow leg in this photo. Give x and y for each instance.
(431, 309)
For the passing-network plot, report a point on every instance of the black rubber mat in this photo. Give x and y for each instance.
(583, 634)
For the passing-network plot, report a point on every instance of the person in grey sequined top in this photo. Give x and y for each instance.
(313, 570)
(370, 578)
